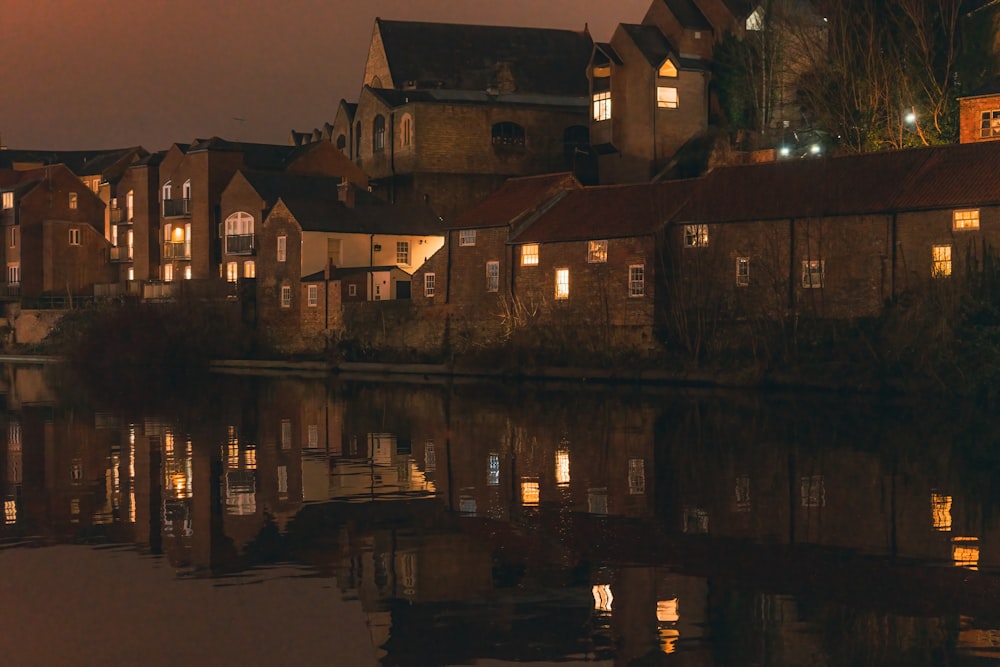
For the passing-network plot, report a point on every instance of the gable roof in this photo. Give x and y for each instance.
(469, 57)
(656, 48)
(81, 163)
(687, 14)
(322, 214)
(607, 212)
(255, 156)
(516, 198)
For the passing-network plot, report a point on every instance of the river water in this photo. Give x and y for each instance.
(279, 520)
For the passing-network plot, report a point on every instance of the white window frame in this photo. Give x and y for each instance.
(813, 273)
(14, 273)
(637, 280)
(695, 236)
(74, 236)
(286, 296)
(430, 283)
(602, 105)
(666, 97)
(312, 296)
(562, 284)
(964, 220)
(166, 190)
(941, 261)
(282, 249)
(352, 290)
(990, 123)
(492, 276)
(529, 254)
(742, 271)
(597, 252)
(403, 253)
(186, 190)
(129, 206)
(466, 238)
(13, 236)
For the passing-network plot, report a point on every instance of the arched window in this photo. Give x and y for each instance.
(378, 134)
(186, 189)
(508, 134)
(239, 234)
(406, 130)
(357, 141)
(341, 142)
(166, 190)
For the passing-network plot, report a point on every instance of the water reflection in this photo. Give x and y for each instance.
(500, 523)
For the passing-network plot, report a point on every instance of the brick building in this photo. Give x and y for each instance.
(979, 114)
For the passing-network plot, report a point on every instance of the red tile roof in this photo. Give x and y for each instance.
(515, 199)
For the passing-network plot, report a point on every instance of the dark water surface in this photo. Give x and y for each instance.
(288, 521)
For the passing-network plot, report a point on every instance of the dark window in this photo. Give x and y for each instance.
(341, 142)
(357, 140)
(508, 134)
(378, 134)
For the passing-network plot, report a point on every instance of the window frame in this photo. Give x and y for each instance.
(529, 254)
(493, 276)
(250, 269)
(312, 296)
(12, 237)
(74, 201)
(667, 97)
(285, 296)
(965, 220)
(508, 133)
(941, 266)
(378, 134)
(696, 235)
(809, 270)
(281, 253)
(75, 236)
(742, 271)
(597, 251)
(466, 238)
(403, 253)
(636, 280)
(232, 272)
(602, 106)
(990, 124)
(562, 284)
(7, 199)
(352, 290)
(430, 284)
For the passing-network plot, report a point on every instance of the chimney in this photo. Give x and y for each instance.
(328, 269)
(345, 192)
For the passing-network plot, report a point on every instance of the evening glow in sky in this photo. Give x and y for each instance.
(113, 73)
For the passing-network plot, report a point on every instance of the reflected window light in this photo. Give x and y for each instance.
(667, 615)
(131, 434)
(529, 493)
(597, 500)
(666, 611)
(407, 569)
(131, 506)
(313, 434)
(232, 455)
(965, 552)
(168, 444)
(231, 436)
(636, 476)
(668, 639)
(10, 512)
(742, 493)
(941, 511)
(250, 457)
(603, 597)
(430, 460)
(283, 480)
(467, 505)
(286, 433)
(695, 520)
(562, 467)
(76, 470)
(74, 507)
(813, 491)
(493, 470)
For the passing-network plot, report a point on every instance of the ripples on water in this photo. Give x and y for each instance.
(282, 520)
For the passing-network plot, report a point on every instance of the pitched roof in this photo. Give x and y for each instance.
(255, 156)
(81, 163)
(516, 198)
(656, 48)
(688, 14)
(606, 212)
(953, 176)
(315, 214)
(397, 98)
(345, 272)
(469, 57)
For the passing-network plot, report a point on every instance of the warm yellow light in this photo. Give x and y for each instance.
(603, 597)
(529, 254)
(562, 467)
(668, 69)
(177, 235)
(965, 552)
(529, 493)
(10, 512)
(668, 639)
(666, 611)
(941, 512)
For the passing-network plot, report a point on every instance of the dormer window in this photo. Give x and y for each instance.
(667, 69)
(508, 134)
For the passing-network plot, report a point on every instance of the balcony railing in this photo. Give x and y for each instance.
(177, 250)
(10, 289)
(240, 244)
(116, 216)
(176, 208)
(121, 254)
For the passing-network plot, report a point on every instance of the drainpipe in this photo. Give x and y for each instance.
(392, 157)
(371, 264)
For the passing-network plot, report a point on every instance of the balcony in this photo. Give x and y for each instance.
(121, 254)
(116, 216)
(177, 250)
(240, 244)
(177, 208)
(10, 290)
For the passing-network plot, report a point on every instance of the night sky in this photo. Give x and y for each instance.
(112, 73)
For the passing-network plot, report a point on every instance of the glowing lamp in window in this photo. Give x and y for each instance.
(529, 493)
(603, 597)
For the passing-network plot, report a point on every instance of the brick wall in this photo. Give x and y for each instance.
(918, 232)
(971, 110)
(322, 322)
(276, 322)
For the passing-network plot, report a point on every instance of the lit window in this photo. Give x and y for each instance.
(529, 254)
(312, 296)
(813, 272)
(602, 106)
(8, 200)
(282, 248)
(239, 233)
(131, 273)
(666, 97)
(668, 69)
(429, 283)
(529, 493)
(168, 273)
(991, 123)
(597, 251)
(467, 237)
(967, 219)
(941, 512)
(130, 206)
(13, 237)
(74, 236)
(813, 491)
(187, 272)
(562, 283)
(492, 276)
(695, 236)
(249, 269)
(14, 273)
(637, 280)
(403, 252)
(636, 477)
(286, 296)
(941, 261)
(562, 467)
(603, 597)
(742, 271)
(73, 200)
(508, 134)
(232, 271)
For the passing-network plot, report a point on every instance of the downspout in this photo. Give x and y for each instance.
(447, 270)
(892, 266)
(371, 265)
(791, 265)
(392, 157)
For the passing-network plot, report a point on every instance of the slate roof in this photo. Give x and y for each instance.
(607, 212)
(81, 163)
(317, 214)
(515, 198)
(468, 57)
(688, 14)
(255, 156)
(655, 47)
(397, 98)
